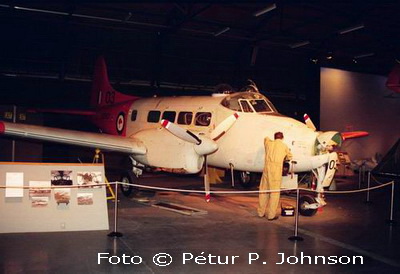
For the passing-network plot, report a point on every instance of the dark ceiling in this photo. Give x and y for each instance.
(196, 45)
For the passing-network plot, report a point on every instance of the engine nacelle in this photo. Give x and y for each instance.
(166, 151)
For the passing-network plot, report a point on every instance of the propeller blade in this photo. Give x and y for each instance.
(181, 133)
(203, 146)
(309, 123)
(224, 126)
(206, 181)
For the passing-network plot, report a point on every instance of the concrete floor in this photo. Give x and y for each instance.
(346, 227)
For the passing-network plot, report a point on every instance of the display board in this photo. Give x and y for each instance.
(75, 203)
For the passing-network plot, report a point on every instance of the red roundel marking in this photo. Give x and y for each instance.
(120, 123)
(236, 115)
(306, 117)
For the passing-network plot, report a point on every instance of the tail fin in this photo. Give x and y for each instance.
(103, 93)
(393, 81)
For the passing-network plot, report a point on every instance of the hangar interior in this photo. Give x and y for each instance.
(330, 60)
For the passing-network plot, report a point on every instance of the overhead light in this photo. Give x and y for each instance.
(40, 10)
(222, 31)
(314, 60)
(329, 56)
(357, 27)
(300, 44)
(95, 17)
(265, 10)
(364, 55)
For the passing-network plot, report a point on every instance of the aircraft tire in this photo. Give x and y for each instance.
(127, 191)
(306, 200)
(246, 179)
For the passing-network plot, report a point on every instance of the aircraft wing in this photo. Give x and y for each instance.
(73, 137)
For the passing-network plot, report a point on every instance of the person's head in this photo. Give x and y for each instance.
(278, 135)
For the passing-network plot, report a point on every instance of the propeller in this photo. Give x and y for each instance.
(333, 137)
(309, 123)
(181, 133)
(224, 126)
(203, 145)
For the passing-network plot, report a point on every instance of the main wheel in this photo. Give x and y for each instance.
(303, 202)
(246, 179)
(127, 190)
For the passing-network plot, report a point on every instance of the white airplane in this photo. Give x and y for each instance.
(180, 134)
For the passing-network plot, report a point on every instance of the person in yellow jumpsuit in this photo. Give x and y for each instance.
(276, 152)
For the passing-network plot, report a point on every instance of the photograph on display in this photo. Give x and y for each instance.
(39, 201)
(38, 188)
(62, 195)
(61, 177)
(85, 198)
(14, 184)
(89, 179)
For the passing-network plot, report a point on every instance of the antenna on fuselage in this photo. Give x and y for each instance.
(251, 87)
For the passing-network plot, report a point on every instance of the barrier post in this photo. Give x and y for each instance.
(368, 186)
(296, 237)
(391, 221)
(115, 233)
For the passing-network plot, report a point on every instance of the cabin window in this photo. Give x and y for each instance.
(185, 118)
(134, 115)
(154, 116)
(203, 119)
(169, 115)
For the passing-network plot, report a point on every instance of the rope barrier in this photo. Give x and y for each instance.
(203, 191)
(295, 237)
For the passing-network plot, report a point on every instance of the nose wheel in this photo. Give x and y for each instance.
(308, 205)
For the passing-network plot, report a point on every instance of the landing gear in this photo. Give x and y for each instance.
(127, 190)
(308, 205)
(246, 179)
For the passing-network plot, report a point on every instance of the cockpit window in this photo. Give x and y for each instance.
(244, 104)
(248, 102)
(261, 105)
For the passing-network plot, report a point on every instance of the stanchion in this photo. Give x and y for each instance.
(391, 221)
(115, 233)
(296, 237)
(369, 184)
(359, 178)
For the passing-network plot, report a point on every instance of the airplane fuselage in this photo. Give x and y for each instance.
(242, 146)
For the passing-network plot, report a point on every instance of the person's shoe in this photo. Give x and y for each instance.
(275, 218)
